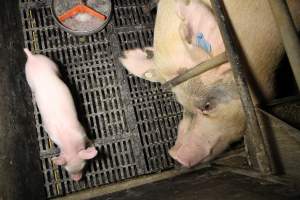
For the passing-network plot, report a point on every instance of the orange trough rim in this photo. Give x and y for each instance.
(81, 9)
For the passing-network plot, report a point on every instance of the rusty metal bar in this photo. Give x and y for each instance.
(197, 70)
(289, 35)
(254, 135)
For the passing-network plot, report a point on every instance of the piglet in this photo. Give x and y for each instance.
(58, 113)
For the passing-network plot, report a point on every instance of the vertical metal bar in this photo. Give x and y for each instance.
(254, 134)
(289, 35)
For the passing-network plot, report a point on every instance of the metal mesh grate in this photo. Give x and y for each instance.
(132, 122)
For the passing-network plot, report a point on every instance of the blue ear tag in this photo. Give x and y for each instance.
(203, 43)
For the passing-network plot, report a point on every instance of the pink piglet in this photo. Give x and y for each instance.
(58, 112)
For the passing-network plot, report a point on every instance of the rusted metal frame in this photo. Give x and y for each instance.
(254, 174)
(284, 140)
(289, 35)
(293, 132)
(254, 138)
(197, 70)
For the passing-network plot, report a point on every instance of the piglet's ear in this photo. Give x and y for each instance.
(60, 160)
(88, 153)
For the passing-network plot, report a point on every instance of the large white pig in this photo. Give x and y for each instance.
(58, 113)
(186, 33)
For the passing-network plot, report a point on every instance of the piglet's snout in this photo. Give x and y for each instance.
(76, 177)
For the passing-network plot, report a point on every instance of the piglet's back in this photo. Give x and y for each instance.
(53, 97)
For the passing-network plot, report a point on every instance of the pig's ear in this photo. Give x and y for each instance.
(185, 29)
(60, 160)
(200, 35)
(180, 8)
(140, 63)
(88, 153)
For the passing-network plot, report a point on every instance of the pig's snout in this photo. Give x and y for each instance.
(188, 155)
(76, 177)
(189, 148)
(201, 137)
(74, 164)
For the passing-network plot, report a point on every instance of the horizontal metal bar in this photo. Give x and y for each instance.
(289, 35)
(254, 136)
(197, 70)
(128, 184)
(146, 179)
(254, 174)
(289, 99)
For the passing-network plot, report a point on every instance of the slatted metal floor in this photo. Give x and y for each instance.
(132, 122)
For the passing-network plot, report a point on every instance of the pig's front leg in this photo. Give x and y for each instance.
(140, 62)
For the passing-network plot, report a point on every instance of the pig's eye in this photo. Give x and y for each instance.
(207, 106)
